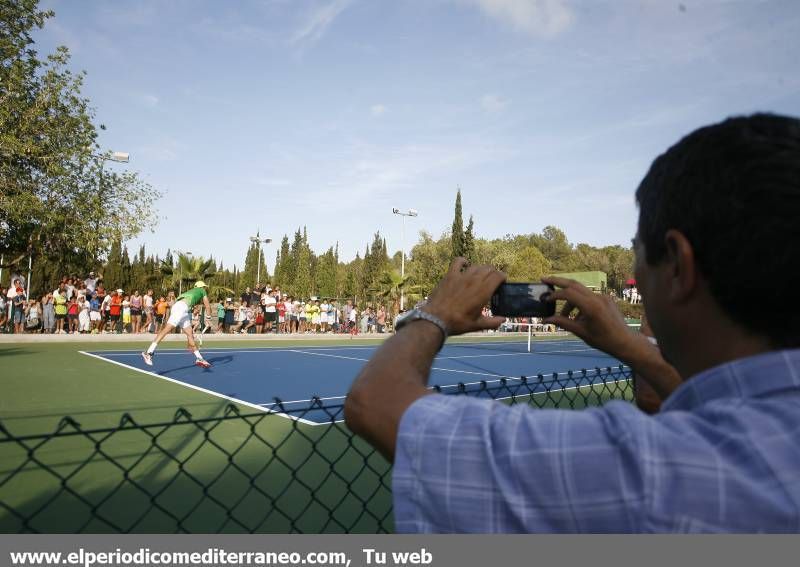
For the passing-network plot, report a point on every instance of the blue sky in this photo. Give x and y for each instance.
(266, 115)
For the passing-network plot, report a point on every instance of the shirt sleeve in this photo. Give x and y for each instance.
(473, 465)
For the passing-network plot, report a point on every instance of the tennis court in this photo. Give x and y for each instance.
(92, 440)
(261, 377)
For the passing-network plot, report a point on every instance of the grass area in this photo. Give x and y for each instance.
(205, 469)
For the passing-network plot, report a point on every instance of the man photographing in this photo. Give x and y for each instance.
(718, 230)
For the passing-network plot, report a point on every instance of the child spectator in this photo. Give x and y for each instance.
(147, 302)
(126, 314)
(72, 315)
(115, 311)
(2, 310)
(136, 312)
(60, 303)
(33, 317)
(94, 314)
(18, 302)
(84, 317)
(161, 311)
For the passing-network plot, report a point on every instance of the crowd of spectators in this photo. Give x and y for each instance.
(86, 307)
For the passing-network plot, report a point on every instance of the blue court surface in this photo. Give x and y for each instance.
(256, 377)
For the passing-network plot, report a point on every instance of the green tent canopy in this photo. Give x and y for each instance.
(596, 281)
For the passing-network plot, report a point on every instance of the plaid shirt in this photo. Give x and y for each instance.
(723, 455)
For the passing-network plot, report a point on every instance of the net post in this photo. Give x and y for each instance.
(530, 334)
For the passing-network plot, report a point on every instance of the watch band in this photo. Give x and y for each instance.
(420, 315)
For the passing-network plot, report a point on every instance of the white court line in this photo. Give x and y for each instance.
(497, 377)
(205, 391)
(432, 368)
(517, 353)
(531, 394)
(223, 350)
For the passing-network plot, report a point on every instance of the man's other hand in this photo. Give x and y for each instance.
(462, 294)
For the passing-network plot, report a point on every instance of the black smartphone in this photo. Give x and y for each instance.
(523, 300)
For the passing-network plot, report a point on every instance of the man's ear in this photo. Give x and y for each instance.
(682, 273)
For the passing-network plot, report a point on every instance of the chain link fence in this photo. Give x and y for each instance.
(238, 472)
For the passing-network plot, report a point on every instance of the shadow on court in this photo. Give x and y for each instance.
(215, 361)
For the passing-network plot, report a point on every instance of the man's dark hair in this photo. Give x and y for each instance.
(733, 189)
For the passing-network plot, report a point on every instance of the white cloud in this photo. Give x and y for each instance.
(493, 103)
(541, 18)
(318, 21)
(272, 182)
(150, 100)
(377, 109)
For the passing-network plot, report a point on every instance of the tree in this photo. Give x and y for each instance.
(391, 285)
(457, 232)
(186, 271)
(302, 284)
(112, 271)
(326, 274)
(125, 264)
(249, 274)
(469, 241)
(282, 261)
(554, 245)
(526, 265)
(429, 261)
(55, 207)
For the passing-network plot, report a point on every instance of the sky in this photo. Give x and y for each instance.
(268, 115)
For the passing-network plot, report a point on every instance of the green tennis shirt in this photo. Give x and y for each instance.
(193, 296)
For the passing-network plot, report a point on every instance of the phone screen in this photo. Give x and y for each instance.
(523, 300)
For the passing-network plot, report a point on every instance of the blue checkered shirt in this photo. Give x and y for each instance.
(722, 455)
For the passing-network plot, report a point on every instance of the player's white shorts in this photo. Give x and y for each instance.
(180, 316)
(323, 318)
(94, 316)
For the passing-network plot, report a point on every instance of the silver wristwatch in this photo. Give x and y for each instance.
(419, 314)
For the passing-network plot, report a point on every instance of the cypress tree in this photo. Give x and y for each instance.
(112, 273)
(457, 234)
(469, 242)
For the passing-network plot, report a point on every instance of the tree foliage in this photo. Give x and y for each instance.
(457, 230)
(57, 202)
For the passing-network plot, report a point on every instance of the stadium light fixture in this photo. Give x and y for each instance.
(120, 157)
(404, 214)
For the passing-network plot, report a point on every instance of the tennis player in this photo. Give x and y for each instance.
(181, 316)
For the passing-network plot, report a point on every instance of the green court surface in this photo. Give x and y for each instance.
(128, 460)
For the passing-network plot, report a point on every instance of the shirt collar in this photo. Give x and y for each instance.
(749, 377)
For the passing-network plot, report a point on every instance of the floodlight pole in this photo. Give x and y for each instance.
(404, 214)
(258, 240)
(119, 157)
(30, 264)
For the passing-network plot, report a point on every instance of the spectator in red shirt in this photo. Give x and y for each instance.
(115, 310)
(73, 309)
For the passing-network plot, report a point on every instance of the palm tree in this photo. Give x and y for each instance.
(390, 285)
(190, 269)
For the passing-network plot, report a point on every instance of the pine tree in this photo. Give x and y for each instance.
(326, 274)
(112, 272)
(125, 264)
(282, 262)
(457, 233)
(302, 280)
(469, 242)
(289, 267)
